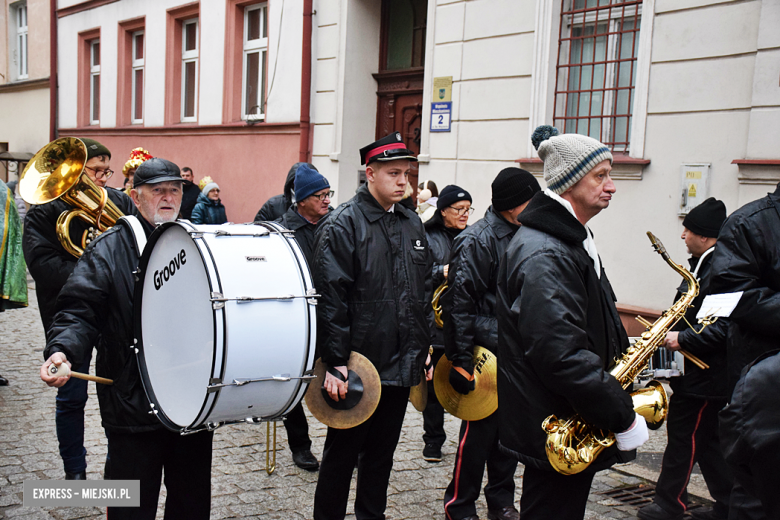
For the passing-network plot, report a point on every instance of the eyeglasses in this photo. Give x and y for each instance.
(463, 211)
(101, 174)
(324, 196)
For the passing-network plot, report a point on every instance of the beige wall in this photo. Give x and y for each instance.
(37, 40)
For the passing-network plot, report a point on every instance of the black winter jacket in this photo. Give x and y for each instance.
(49, 263)
(559, 331)
(277, 205)
(440, 239)
(189, 197)
(96, 308)
(305, 231)
(709, 345)
(747, 258)
(373, 270)
(208, 211)
(469, 303)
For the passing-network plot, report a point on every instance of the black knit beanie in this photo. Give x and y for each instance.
(95, 148)
(512, 187)
(450, 195)
(706, 218)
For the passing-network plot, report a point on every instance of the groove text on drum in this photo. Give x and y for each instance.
(160, 277)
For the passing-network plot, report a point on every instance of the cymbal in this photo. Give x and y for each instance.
(418, 394)
(343, 419)
(480, 402)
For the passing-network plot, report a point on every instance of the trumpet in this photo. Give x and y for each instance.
(57, 171)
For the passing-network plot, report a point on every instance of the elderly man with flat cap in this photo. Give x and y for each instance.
(373, 269)
(50, 265)
(559, 330)
(692, 423)
(469, 307)
(95, 307)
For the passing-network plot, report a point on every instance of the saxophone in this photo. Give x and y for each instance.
(572, 444)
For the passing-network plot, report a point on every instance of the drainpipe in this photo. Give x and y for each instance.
(52, 70)
(305, 143)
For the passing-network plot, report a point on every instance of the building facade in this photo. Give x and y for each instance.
(685, 92)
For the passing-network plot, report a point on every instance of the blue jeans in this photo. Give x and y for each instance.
(69, 418)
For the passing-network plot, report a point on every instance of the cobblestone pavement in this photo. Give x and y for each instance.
(240, 486)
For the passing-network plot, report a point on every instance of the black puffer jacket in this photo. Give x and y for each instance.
(559, 331)
(373, 270)
(305, 231)
(747, 258)
(96, 308)
(469, 303)
(277, 205)
(709, 345)
(440, 239)
(49, 263)
(208, 211)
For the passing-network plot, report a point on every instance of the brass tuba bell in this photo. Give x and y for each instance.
(57, 171)
(437, 312)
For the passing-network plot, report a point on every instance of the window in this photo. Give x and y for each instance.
(94, 82)
(20, 49)
(597, 69)
(137, 103)
(189, 70)
(404, 25)
(254, 61)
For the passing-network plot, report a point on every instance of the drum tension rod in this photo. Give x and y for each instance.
(281, 377)
(218, 299)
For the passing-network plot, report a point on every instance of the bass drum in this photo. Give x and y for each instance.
(225, 322)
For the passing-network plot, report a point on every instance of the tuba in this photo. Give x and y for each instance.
(572, 444)
(437, 306)
(57, 171)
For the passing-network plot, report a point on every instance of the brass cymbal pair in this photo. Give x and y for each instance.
(480, 402)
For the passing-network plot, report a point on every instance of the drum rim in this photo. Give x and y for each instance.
(138, 328)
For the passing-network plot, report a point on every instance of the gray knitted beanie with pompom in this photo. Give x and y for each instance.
(568, 157)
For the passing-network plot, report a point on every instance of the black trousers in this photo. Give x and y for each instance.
(370, 446)
(547, 494)
(692, 430)
(297, 430)
(478, 446)
(433, 415)
(186, 461)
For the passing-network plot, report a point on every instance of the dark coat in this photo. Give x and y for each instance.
(559, 331)
(277, 205)
(189, 198)
(95, 307)
(305, 231)
(709, 346)
(49, 263)
(469, 303)
(747, 258)
(208, 211)
(373, 270)
(440, 239)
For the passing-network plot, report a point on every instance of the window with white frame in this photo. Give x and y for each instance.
(20, 47)
(94, 82)
(137, 103)
(597, 69)
(254, 61)
(189, 70)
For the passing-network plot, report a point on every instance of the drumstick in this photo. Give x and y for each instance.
(693, 359)
(64, 370)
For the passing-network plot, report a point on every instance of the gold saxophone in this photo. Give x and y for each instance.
(572, 444)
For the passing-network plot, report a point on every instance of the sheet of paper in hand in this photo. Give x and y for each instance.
(718, 305)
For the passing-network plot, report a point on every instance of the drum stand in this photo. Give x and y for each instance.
(270, 467)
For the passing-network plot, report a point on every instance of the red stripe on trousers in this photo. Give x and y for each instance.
(693, 457)
(457, 469)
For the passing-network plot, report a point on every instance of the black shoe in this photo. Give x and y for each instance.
(505, 513)
(76, 476)
(432, 453)
(3, 381)
(306, 460)
(655, 512)
(707, 513)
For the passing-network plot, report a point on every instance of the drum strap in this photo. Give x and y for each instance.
(138, 232)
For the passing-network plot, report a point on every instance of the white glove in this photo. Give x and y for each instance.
(634, 437)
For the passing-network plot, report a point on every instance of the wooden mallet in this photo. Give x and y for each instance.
(63, 370)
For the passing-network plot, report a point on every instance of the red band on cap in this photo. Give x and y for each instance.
(381, 149)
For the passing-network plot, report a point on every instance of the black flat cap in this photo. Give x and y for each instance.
(156, 170)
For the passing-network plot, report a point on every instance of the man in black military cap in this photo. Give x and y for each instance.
(95, 307)
(372, 268)
(692, 424)
(50, 265)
